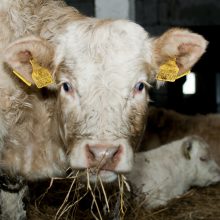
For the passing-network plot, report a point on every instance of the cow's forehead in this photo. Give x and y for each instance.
(107, 51)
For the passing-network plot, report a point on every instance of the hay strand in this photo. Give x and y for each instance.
(60, 212)
(104, 193)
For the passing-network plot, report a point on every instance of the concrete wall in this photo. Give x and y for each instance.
(115, 9)
(124, 9)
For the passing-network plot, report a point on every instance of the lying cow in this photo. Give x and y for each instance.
(166, 125)
(170, 170)
(94, 111)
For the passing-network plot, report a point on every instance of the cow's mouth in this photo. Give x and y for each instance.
(103, 175)
(92, 175)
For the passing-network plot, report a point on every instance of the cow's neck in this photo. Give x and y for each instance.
(33, 137)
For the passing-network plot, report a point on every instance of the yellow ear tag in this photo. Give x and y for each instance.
(183, 74)
(169, 71)
(41, 76)
(22, 78)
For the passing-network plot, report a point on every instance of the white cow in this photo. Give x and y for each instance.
(94, 112)
(170, 170)
(165, 125)
(96, 108)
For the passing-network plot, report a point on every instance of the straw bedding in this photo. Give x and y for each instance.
(70, 199)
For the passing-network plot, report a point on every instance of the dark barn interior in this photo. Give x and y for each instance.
(156, 16)
(202, 17)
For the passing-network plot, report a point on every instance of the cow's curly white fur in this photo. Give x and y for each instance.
(12, 205)
(170, 170)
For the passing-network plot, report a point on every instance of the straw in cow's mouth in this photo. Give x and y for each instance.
(99, 198)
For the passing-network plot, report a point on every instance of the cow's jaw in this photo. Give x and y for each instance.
(105, 176)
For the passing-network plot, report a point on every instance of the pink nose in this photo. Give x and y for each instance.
(103, 156)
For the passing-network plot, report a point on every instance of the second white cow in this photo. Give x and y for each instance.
(169, 171)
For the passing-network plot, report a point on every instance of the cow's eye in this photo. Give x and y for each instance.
(67, 87)
(139, 86)
(204, 159)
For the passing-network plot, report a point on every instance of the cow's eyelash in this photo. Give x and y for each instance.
(147, 84)
(63, 81)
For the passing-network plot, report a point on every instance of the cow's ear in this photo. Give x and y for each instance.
(187, 149)
(180, 44)
(20, 53)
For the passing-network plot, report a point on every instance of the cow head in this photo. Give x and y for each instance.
(102, 71)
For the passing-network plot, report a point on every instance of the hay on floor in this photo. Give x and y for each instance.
(70, 199)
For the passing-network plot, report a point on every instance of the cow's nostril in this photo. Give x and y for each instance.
(103, 152)
(103, 156)
(90, 153)
(117, 153)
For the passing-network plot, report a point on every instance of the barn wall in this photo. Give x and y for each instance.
(203, 17)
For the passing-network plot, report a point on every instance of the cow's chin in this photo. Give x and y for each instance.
(105, 176)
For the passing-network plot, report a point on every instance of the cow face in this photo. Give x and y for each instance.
(103, 82)
(102, 71)
(197, 152)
